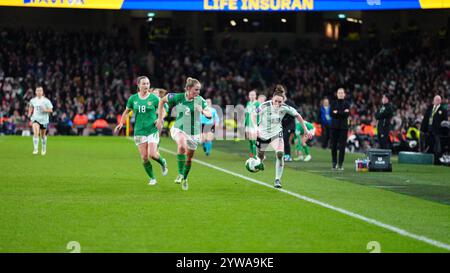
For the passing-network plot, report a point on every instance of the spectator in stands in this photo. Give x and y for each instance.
(97, 75)
(64, 125)
(80, 122)
(101, 127)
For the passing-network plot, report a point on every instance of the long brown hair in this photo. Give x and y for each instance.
(279, 91)
(138, 80)
(161, 92)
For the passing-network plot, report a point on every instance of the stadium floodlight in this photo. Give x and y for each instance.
(353, 20)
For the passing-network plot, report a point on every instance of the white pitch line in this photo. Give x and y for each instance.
(320, 203)
(387, 187)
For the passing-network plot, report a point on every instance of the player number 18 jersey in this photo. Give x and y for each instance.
(145, 113)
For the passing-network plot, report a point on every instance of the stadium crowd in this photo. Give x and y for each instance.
(89, 76)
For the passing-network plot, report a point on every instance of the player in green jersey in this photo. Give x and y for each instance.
(300, 140)
(146, 136)
(187, 128)
(250, 127)
(262, 98)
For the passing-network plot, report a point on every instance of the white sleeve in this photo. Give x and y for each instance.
(49, 104)
(290, 110)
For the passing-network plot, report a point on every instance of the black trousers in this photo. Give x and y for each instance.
(325, 136)
(338, 142)
(80, 131)
(435, 146)
(384, 139)
(287, 131)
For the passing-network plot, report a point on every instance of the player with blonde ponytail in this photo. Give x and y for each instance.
(186, 131)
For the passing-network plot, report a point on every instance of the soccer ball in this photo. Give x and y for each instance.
(251, 163)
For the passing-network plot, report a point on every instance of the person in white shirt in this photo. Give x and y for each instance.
(270, 130)
(38, 111)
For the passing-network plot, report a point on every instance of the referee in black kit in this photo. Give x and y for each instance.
(340, 110)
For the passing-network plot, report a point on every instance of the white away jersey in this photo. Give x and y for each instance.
(270, 118)
(38, 105)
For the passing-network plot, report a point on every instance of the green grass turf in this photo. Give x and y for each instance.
(94, 191)
(423, 181)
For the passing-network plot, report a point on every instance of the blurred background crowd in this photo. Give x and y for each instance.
(88, 76)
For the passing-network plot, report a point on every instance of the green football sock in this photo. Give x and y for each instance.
(306, 149)
(298, 143)
(181, 158)
(299, 147)
(149, 169)
(160, 160)
(187, 168)
(252, 145)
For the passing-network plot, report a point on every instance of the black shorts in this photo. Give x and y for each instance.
(288, 131)
(41, 126)
(260, 142)
(206, 128)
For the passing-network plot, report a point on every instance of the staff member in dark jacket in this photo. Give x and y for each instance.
(384, 116)
(288, 124)
(340, 110)
(431, 126)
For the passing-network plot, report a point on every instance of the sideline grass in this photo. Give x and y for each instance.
(94, 191)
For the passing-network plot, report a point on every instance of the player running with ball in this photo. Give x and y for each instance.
(270, 132)
(187, 128)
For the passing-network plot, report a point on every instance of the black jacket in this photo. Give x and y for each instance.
(440, 115)
(384, 116)
(340, 110)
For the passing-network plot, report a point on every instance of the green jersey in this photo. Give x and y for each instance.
(145, 113)
(187, 120)
(249, 109)
(299, 128)
(166, 108)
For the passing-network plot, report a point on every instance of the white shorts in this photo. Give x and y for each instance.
(192, 141)
(275, 143)
(153, 138)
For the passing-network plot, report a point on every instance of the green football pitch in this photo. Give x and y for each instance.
(94, 191)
